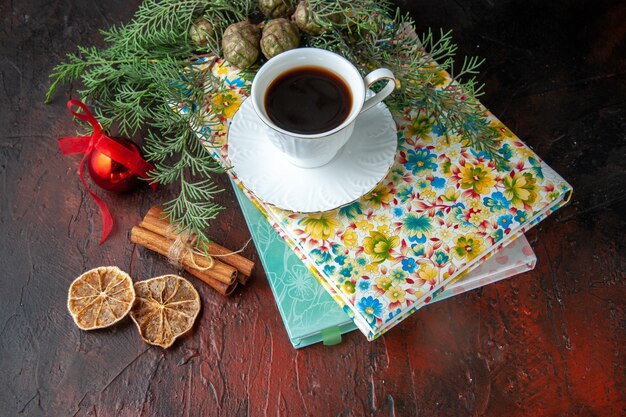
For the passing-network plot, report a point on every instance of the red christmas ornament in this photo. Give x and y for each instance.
(112, 175)
(112, 162)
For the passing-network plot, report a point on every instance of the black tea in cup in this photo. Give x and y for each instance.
(308, 100)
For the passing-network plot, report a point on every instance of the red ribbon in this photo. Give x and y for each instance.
(104, 144)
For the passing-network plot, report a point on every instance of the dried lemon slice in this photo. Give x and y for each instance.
(166, 308)
(100, 297)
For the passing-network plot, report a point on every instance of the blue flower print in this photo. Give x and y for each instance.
(537, 170)
(364, 285)
(496, 202)
(398, 275)
(409, 265)
(417, 239)
(506, 151)
(417, 227)
(521, 217)
(236, 82)
(497, 235)
(437, 182)
(361, 261)
(441, 258)
(320, 256)
(439, 129)
(340, 260)
(481, 154)
(337, 249)
(346, 271)
(419, 160)
(418, 250)
(370, 307)
(505, 221)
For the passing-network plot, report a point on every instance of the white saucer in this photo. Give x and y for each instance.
(354, 171)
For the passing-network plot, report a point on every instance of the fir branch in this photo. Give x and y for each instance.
(173, 137)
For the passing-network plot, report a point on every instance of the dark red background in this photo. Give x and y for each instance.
(548, 343)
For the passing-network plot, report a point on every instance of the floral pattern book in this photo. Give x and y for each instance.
(442, 209)
(310, 314)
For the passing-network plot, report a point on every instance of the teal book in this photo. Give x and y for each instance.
(309, 312)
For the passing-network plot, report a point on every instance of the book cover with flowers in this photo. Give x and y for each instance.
(310, 314)
(442, 209)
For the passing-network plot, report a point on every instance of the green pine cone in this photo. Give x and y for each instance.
(306, 20)
(279, 35)
(276, 8)
(201, 32)
(241, 44)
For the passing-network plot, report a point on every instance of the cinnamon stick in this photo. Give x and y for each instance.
(218, 271)
(216, 285)
(155, 222)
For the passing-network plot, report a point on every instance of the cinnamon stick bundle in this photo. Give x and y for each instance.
(155, 222)
(222, 273)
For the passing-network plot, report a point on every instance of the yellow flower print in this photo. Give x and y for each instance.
(420, 126)
(428, 195)
(521, 189)
(320, 226)
(478, 178)
(350, 239)
(454, 153)
(372, 268)
(381, 218)
(222, 69)
(451, 194)
(348, 287)
(474, 203)
(477, 217)
(227, 103)
(445, 233)
(383, 228)
(383, 282)
(502, 129)
(441, 147)
(379, 245)
(428, 273)
(438, 79)
(553, 196)
(468, 247)
(526, 152)
(395, 294)
(364, 226)
(380, 195)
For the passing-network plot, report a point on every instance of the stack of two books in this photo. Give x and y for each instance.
(311, 315)
(444, 220)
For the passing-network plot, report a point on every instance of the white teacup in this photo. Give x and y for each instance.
(314, 150)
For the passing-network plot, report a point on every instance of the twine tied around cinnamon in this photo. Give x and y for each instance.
(185, 244)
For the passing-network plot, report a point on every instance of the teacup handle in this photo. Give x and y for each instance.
(371, 78)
